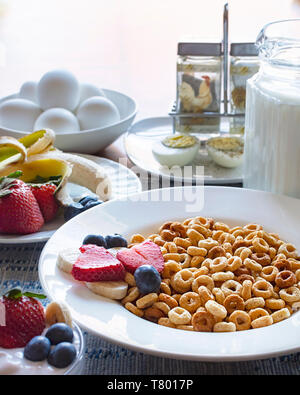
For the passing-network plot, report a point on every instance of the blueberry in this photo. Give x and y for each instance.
(115, 241)
(62, 355)
(147, 279)
(98, 240)
(37, 349)
(72, 210)
(91, 204)
(87, 199)
(59, 333)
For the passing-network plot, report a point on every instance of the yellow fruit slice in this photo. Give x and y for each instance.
(11, 150)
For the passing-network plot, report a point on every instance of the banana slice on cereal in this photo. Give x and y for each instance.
(58, 312)
(110, 289)
(66, 259)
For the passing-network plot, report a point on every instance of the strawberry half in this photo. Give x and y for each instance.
(45, 197)
(146, 253)
(97, 264)
(19, 210)
(24, 318)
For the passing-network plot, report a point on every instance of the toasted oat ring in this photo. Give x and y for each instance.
(203, 280)
(190, 301)
(133, 309)
(207, 244)
(241, 270)
(168, 235)
(129, 279)
(257, 313)
(222, 276)
(171, 302)
(255, 302)
(179, 228)
(241, 319)
(179, 316)
(185, 327)
(203, 321)
(269, 273)
(282, 265)
(185, 260)
(295, 263)
(162, 306)
(153, 314)
(262, 288)
(165, 321)
(202, 271)
(185, 243)
(285, 279)
(234, 302)
(290, 295)
(171, 247)
(252, 265)
(202, 230)
(216, 309)
(231, 286)
(246, 291)
(196, 251)
(194, 236)
(224, 327)
(218, 264)
(165, 288)
(260, 245)
(182, 280)
(205, 294)
(249, 228)
(170, 268)
(261, 322)
(219, 295)
(146, 301)
(280, 315)
(262, 258)
(132, 295)
(288, 249)
(216, 252)
(275, 304)
(244, 277)
(196, 261)
(233, 263)
(136, 239)
(226, 238)
(221, 226)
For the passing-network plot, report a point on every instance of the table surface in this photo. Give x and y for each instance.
(129, 46)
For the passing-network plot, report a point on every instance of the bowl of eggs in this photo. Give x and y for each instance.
(85, 118)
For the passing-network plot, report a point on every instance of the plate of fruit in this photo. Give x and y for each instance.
(42, 187)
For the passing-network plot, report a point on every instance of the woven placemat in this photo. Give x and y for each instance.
(19, 267)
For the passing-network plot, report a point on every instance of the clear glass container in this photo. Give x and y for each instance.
(198, 85)
(272, 133)
(244, 63)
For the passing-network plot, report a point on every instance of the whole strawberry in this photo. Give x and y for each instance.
(19, 210)
(24, 319)
(45, 197)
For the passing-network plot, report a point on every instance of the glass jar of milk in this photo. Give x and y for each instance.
(272, 121)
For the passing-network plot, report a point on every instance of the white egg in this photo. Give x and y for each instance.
(58, 119)
(88, 90)
(29, 91)
(58, 88)
(97, 112)
(173, 156)
(19, 114)
(226, 151)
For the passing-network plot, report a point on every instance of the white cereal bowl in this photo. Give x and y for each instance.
(93, 140)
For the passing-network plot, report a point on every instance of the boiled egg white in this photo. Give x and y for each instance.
(19, 114)
(58, 119)
(29, 91)
(58, 88)
(176, 150)
(226, 151)
(97, 112)
(89, 90)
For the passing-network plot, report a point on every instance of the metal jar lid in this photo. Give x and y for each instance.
(243, 49)
(199, 49)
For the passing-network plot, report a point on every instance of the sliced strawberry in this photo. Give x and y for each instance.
(146, 253)
(45, 197)
(19, 210)
(97, 264)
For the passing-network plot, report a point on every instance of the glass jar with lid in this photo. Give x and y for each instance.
(244, 63)
(198, 85)
(272, 134)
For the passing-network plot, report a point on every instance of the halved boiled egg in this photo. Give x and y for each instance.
(176, 150)
(226, 151)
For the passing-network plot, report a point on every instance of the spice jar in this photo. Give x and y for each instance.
(198, 85)
(244, 63)
(272, 136)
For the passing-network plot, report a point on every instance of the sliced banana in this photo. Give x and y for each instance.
(58, 312)
(66, 259)
(45, 140)
(110, 289)
(11, 150)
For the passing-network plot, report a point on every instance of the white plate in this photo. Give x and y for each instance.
(111, 321)
(124, 182)
(138, 144)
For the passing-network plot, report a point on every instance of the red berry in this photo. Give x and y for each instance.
(45, 197)
(24, 319)
(146, 253)
(19, 210)
(97, 264)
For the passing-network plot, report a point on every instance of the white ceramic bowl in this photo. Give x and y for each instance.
(93, 140)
